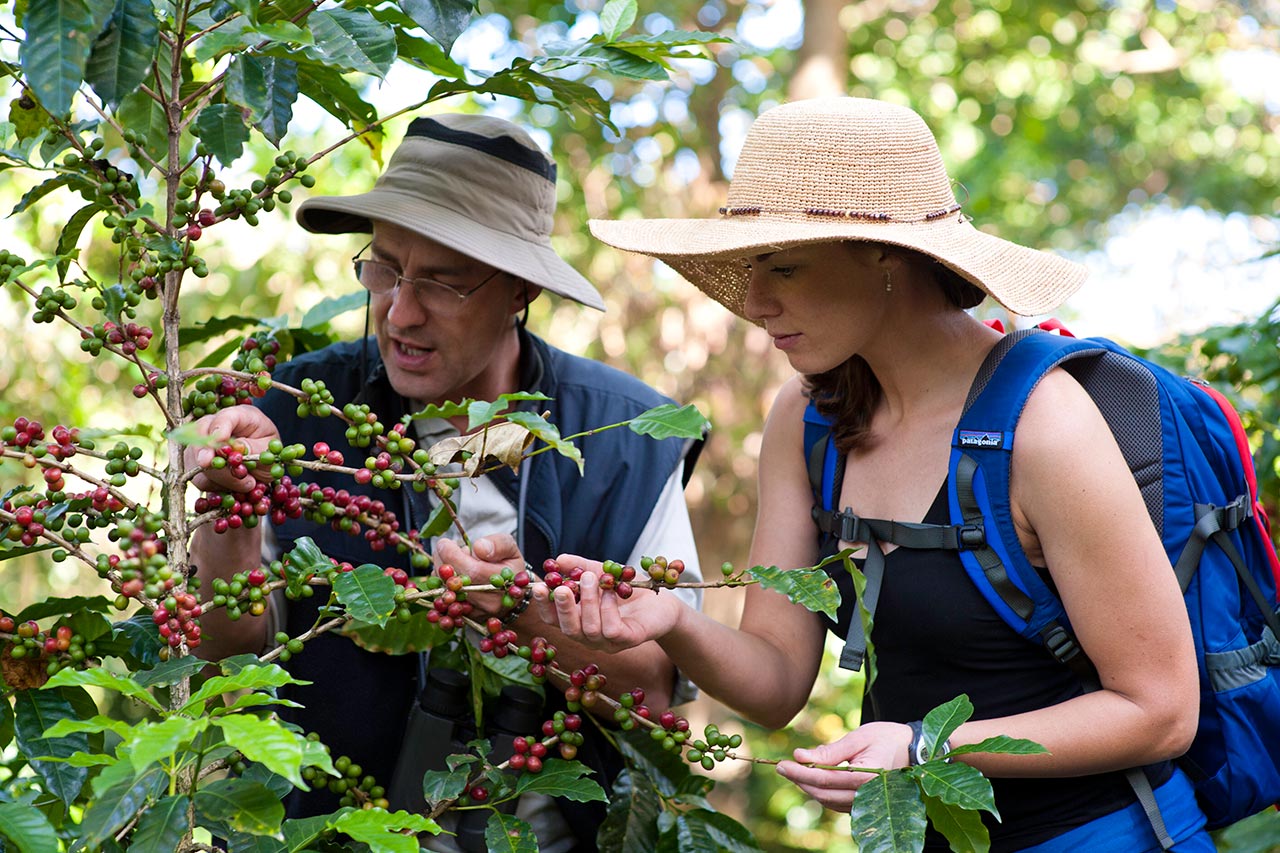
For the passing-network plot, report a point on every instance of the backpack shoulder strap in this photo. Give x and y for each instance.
(823, 461)
(978, 490)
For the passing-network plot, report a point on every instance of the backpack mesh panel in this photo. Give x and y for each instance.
(1129, 400)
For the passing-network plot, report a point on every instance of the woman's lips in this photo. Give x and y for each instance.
(785, 342)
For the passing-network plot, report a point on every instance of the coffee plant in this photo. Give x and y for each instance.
(139, 107)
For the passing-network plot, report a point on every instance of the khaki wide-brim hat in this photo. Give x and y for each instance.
(832, 169)
(476, 184)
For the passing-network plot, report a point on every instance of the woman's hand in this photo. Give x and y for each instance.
(875, 745)
(600, 619)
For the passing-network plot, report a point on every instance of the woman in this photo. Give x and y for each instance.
(843, 239)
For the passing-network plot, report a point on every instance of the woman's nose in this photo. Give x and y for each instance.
(759, 302)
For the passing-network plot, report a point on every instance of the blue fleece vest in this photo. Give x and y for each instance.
(358, 700)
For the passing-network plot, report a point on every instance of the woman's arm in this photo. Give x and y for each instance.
(765, 669)
(1079, 512)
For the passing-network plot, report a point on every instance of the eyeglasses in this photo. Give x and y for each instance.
(435, 296)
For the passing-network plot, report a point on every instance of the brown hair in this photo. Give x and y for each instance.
(850, 392)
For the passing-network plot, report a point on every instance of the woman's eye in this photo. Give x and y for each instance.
(785, 272)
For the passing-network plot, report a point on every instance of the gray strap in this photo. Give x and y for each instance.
(855, 643)
(854, 528)
(1141, 786)
(997, 575)
(1212, 525)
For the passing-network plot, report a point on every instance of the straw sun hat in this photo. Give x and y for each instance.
(833, 169)
(475, 183)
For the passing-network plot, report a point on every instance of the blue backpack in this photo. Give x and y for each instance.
(1191, 459)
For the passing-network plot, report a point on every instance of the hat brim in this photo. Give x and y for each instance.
(709, 253)
(537, 263)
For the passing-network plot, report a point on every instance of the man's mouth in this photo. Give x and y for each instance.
(412, 352)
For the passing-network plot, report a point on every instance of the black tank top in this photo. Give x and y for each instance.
(936, 637)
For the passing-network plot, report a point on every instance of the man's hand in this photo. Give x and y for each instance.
(245, 425)
(488, 556)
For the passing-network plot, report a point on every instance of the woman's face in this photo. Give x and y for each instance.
(820, 303)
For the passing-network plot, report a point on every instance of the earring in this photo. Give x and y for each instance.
(888, 282)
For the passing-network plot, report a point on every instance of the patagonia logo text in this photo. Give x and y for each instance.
(980, 438)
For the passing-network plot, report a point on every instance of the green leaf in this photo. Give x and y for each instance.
(381, 830)
(367, 593)
(811, 588)
(41, 190)
(445, 410)
(152, 742)
(626, 63)
(35, 712)
(265, 741)
(28, 829)
(549, 433)
(338, 97)
(97, 723)
(232, 36)
(939, 723)
(243, 806)
(480, 412)
(669, 773)
(58, 606)
(440, 785)
(1003, 745)
(522, 81)
(6, 720)
(504, 833)
(354, 40)
(439, 521)
(958, 784)
(10, 553)
(669, 421)
(249, 678)
(170, 672)
(99, 677)
(560, 778)
(335, 306)
(616, 17)
(71, 235)
(426, 55)
(119, 794)
(222, 128)
(700, 829)
(963, 829)
(144, 116)
(300, 832)
(443, 20)
(123, 52)
(888, 815)
(59, 34)
(253, 700)
(630, 826)
(396, 637)
(161, 828)
(267, 87)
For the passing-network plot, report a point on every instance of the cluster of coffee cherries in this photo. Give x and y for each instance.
(630, 706)
(499, 639)
(617, 577)
(280, 501)
(513, 585)
(713, 747)
(661, 571)
(584, 687)
(353, 786)
(9, 264)
(27, 525)
(58, 648)
(344, 512)
(554, 577)
(211, 393)
(143, 564)
(22, 434)
(291, 646)
(155, 381)
(176, 617)
(451, 607)
(129, 338)
(319, 399)
(123, 462)
(50, 303)
(528, 754)
(245, 591)
(256, 355)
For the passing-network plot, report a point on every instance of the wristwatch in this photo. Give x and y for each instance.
(916, 750)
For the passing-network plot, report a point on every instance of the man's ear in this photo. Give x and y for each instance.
(524, 296)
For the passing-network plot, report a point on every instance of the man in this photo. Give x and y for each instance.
(461, 223)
